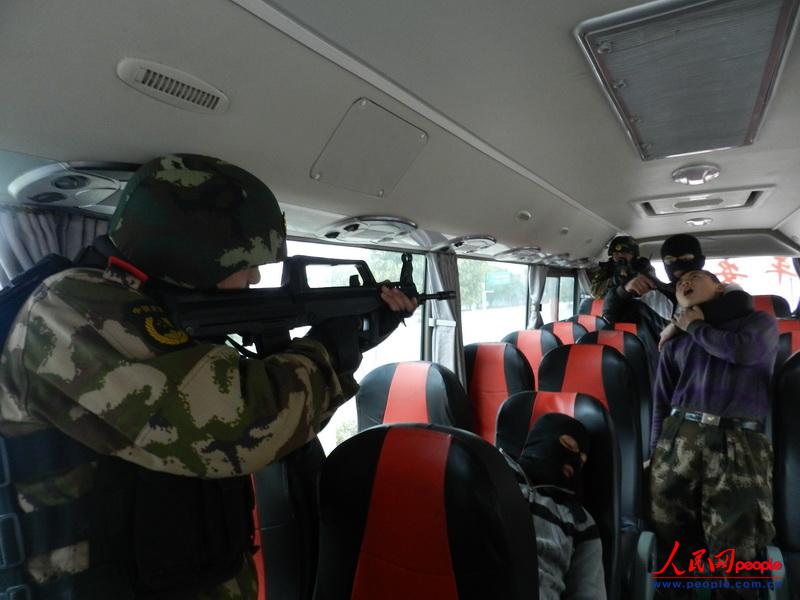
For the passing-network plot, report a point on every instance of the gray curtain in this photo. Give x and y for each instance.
(585, 283)
(447, 341)
(27, 235)
(537, 276)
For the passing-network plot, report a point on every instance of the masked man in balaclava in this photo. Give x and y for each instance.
(567, 538)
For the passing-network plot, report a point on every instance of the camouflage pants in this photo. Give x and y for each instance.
(710, 488)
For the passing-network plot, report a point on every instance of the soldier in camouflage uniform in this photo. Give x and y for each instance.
(92, 356)
(711, 470)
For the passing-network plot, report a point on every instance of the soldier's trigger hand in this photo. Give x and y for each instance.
(397, 301)
(340, 336)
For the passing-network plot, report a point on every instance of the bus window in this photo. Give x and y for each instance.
(755, 274)
(403, 345)
(558, 299)
(493, 299)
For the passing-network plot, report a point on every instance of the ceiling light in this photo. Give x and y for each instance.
(695, 174)
(467, 244)
(689, 76)
(700, 222)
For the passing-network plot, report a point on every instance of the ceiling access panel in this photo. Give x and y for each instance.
(690, 77)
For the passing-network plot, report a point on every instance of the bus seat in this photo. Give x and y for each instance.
(494, 372)
(788, 344)
(604, 373)
(534, 344)
(568, 332)
(601, 472)
(777, 306)
(591, 306)
(632, 349)
(590, 322)
(423, 512)
(419, 392)
(287, 517)
(629, 327)
(786, 482)
(786, 325)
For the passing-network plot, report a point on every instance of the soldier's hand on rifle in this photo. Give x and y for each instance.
(397, 301)
(640, 285)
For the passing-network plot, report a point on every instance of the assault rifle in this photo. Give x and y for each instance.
(264, 317)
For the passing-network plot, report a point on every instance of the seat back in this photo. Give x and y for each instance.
(601, 476)
(786, 483)
(786, 325)
(423, 512)
(788, 344)
(567, 332)
(494, 372)
(413, 392)
(602, 372)
(534, 344)
(591, 306)
(590, 322)
(632, 349)
(287, 523)
(777, 306)
(629, 327)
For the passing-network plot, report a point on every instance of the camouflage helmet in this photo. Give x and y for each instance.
(623, 243)
(194, 220)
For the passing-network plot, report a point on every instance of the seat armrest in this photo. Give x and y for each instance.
(641, 578)
(782, 591)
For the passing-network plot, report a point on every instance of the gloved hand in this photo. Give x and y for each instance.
(340, 336)
(396, 307)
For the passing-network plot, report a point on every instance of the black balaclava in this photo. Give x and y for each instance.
(623, 243)
(677, 246)
(543, 455)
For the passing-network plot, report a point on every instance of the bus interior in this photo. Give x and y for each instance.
(503, 145)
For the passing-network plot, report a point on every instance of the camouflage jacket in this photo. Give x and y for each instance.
(93, 356)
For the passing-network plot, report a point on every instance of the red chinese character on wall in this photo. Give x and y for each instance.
(780, 268)
(730, 271)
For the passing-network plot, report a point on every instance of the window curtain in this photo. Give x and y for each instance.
(537, 276)
(447, 341)
(585, 283)
(27, 235)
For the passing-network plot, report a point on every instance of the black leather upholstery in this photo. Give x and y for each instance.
(777, 306)
(494, 372)
(633, 350)
(786, 483)
(591, 306)
(590, 322)
(534, 344)
(567, 332)
(601, 493)
(286, 500)
(423, 512)
(421, 392)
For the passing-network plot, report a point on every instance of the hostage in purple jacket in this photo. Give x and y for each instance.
(710, 479)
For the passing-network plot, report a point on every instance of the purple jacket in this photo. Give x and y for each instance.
(723, 369)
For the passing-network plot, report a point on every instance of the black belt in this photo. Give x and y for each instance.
(716, 421)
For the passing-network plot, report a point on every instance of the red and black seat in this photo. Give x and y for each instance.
(534, 344)
(413, 392)
(602, 372)
(495, 371)
(629, 327)
(590, 322)
(567, 332)
(601, 481)
(591, 306)
(287, 523)
(777, 306)
(786, 483)
(788, 344)
(423, 512)
(787, 325)
(632, 349)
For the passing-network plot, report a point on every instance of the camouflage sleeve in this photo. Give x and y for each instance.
(197, 409)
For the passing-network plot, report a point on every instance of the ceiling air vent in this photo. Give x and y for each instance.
(369, 230)
(467, 244)
(708, 202)
(690, 76)
(172, 86)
